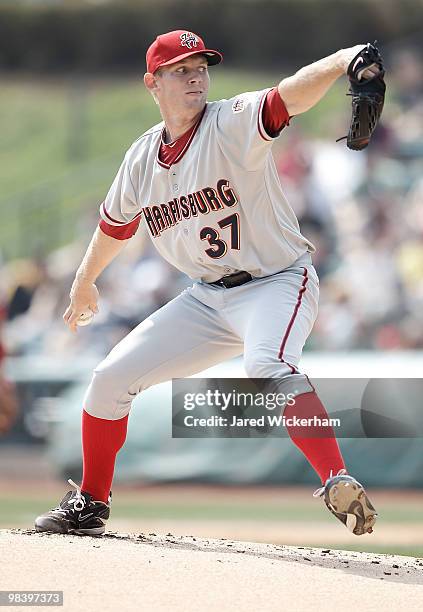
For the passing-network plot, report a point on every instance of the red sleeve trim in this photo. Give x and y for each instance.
(120, 233)
(106, 214)
(260, 125)
(274, 113)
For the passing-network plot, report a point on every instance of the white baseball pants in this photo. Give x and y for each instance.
(266, 319)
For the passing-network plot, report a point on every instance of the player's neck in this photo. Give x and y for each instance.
(177, 126)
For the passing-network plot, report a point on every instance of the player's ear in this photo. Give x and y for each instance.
(150, 82)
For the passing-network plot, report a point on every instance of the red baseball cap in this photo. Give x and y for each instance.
(175, 46)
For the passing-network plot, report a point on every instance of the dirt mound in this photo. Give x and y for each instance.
(183, 573)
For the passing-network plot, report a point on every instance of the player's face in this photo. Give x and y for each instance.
(184, 85)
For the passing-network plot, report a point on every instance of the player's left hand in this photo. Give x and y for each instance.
(367, 90)
(347, 55)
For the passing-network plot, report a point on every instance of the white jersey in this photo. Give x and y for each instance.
(220, 207)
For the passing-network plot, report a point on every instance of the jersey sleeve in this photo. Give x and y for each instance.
(275, 115)
(120, 232)
(248, 125)
(121, 207)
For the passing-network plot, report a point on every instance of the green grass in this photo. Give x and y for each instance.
(17, 507)
(63, 141)
(53, 129)
(20, 511)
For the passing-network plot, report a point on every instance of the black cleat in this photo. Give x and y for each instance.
(348, 501)
(77, 513)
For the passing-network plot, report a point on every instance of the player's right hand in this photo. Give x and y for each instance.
(83, 296)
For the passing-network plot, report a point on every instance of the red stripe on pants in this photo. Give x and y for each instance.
(291, 322)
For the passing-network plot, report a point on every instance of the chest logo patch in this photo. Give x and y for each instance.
(188, 39)
(238, 106)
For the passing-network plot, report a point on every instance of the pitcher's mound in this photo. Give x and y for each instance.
(150, 572)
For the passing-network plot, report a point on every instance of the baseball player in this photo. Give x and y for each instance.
(203, 184)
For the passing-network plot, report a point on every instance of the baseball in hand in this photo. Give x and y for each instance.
(85, 318)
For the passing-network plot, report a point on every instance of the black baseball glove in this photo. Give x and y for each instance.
(368, 96)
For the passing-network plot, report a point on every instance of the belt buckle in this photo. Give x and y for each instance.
(234, 280)
(218, 282)
(227, 281)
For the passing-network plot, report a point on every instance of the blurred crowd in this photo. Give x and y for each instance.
(363, 211)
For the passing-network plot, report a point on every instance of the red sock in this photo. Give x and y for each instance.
(318, 443)
(101, 441)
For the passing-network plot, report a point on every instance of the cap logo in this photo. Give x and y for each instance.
(188, 39)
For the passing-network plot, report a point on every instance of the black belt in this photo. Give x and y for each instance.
(233, 280)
